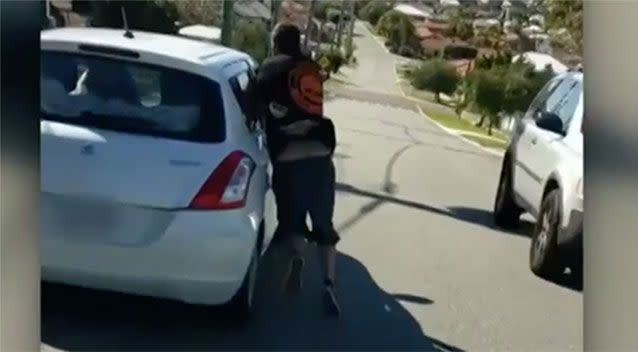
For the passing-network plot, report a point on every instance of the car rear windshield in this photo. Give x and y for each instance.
(130, 97)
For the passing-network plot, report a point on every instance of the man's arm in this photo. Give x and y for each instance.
(324, 133)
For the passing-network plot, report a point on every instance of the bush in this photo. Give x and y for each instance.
(374, 10)
(251, 37)
(336, 58)
(437, 76)
(400, 33)
(506, 89)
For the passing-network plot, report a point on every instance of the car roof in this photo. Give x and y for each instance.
(173, 46)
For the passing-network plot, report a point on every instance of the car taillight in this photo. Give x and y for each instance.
(227, 186)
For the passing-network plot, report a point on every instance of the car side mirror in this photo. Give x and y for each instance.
(550, 122)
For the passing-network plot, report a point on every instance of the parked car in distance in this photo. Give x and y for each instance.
(152, 183)
(542, 174)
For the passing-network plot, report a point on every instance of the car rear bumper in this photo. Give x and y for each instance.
(200, 258)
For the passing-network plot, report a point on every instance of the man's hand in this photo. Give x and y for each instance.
(299, 128)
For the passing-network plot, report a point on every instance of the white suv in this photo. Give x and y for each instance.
(542, 174)
(152, 182)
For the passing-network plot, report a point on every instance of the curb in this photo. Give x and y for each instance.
(459, 136)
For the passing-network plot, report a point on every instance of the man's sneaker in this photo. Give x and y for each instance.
(330, 301)
(294, 280)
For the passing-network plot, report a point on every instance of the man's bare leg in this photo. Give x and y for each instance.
(328, 257)
(293, 281)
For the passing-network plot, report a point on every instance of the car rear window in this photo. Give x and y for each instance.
(130, 97)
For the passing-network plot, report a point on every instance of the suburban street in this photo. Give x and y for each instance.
(421, 266)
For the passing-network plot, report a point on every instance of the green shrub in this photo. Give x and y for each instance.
(400, 33)
(251, 37)
(374, 10)
(336, 58)
(437, 76)
(505, 89)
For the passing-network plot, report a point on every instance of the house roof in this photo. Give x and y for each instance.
(411, 11)
(436, 26)
(199, 31)
(253, 8)
(423, 32)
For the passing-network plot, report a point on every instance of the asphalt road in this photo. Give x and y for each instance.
(420, 266)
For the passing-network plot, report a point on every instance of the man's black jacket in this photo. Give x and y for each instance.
(272, 85)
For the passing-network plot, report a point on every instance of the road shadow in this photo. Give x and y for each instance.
(470, 215)
(80, 319)
(485, 218)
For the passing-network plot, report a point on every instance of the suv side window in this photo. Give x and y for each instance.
(541, 98)
(566, 107)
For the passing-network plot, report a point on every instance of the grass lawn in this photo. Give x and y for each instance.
(450, 120)
(487, 142)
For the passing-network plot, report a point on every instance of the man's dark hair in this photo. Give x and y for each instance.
(287, 39)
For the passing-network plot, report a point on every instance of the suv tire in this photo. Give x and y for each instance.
(544, 258)
(506, 213)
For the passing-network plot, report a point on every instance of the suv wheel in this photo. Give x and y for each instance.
(506, 213)
(543, 255)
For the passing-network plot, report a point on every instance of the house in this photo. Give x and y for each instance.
(463, 66)
(541, 61)
(201, 32)
(415, 14)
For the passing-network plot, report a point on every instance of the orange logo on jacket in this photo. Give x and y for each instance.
(306, 88)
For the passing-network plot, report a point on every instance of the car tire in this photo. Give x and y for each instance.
(242, 305)
(506, 213)
(544, 258)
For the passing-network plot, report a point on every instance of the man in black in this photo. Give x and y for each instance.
(287, 92)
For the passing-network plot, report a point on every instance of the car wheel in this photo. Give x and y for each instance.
(506, 213)
(543, 256)
(242, 305)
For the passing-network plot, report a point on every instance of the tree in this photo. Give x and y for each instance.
(489, 95)
(320, 11)
(437, 76)
(460, 24)
(143, 15)
(400, 33)
(190, 12)
(506, 89)
(374, 10)
(251, 36)
(568, 15)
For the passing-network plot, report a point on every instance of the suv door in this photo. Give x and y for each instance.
(538, 151)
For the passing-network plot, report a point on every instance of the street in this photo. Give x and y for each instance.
(421, 267)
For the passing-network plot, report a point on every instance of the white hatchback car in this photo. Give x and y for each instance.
(151, 181)
(542, 174)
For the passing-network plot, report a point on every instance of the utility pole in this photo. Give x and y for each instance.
(309, 24)
(340, 26)
(351, 29)
(227, 22)
(274, 16)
